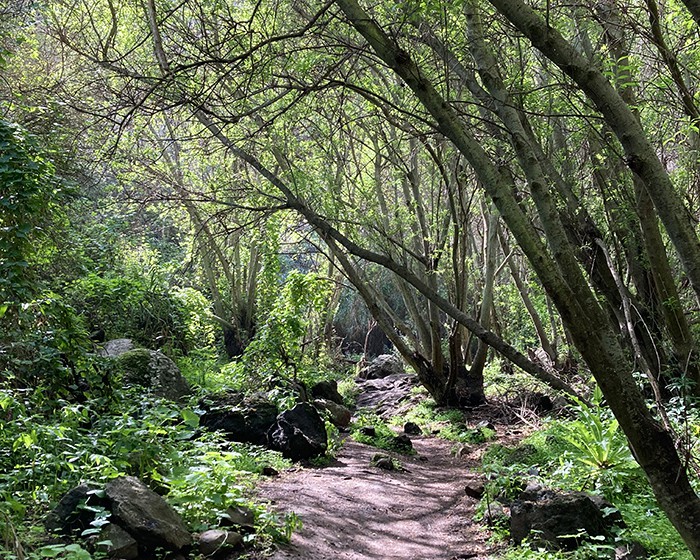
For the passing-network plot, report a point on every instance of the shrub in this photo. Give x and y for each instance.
(139, 308)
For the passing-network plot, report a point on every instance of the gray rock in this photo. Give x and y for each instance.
(214, 540)
(474, 488)
(145, 515)
(383, 462)
(559, 519)
(239, 516)
(382, 366)
(327, 390)
(299, 433)
(411, 428)
(115, 542)
(369, 431)
(402, 443)
(116, 347)
(634, 551)
(338, 414)
(493, 511)
(152, 370)
(390, 395)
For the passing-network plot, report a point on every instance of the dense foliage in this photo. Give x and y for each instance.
(244, 185)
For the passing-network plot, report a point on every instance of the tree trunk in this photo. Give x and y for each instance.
(641, 157)
(527, 302)
(652, 445)
(476, 370)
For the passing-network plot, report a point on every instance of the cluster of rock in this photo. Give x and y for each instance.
(385, 386)
(128, 520)
(555, 519)
(299, 433)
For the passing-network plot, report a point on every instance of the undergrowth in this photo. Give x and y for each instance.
(46, 451)
(445, 423)
(383, 437)
(587, 453)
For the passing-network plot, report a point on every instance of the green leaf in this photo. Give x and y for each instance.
(190, 418)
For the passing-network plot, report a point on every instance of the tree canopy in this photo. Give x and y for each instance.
(488, 178)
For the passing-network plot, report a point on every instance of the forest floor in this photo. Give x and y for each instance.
(351, 510)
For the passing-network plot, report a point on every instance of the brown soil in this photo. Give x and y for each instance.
(353, 511)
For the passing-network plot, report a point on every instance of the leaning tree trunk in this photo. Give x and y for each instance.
(640, 156)
(664, 285)
(652, 445)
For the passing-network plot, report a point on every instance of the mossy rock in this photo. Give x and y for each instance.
(522, 454)
(152, 370)
(133, 366)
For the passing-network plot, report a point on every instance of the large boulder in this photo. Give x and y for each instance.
(242, 419)
(560, 520)
(299, 433)
(382, 366)
(328, 391)
(145, 515)
(389, 396)
(152, 370)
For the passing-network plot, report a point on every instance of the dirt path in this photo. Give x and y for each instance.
(352, 511)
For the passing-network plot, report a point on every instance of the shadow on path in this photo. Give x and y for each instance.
(353, 511)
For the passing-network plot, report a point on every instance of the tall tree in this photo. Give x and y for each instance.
(652, 445)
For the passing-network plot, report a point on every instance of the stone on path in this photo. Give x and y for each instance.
(299, 433)
(382, 366)
(215, 540)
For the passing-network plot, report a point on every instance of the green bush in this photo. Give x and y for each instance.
(286, 348)
(587, 453)
(44, 344)
(140, 308)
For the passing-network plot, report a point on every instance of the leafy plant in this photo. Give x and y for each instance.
(66, 551)
(138, 306)
(599, 450)
(282, 352)
(29, 196)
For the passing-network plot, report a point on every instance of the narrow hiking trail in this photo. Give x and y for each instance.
(353, 511)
